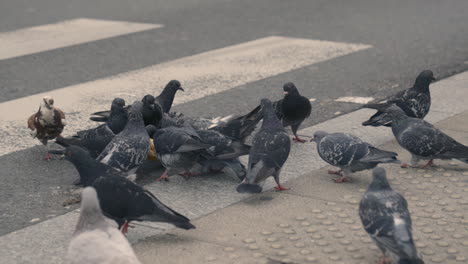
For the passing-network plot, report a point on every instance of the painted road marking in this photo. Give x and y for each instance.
(355, 99)
(62, 34)
(201, 75)
(29, 246)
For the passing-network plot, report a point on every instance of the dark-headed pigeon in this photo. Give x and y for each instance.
(150, 112)
(95, 241)
(88, 168)
(166, 98)
(270, 150)
(423, 140)
(385, 217)
(117, 117)
(47, 123)
(128, 149)
(350, 153)
(414, 101)
(125, 201)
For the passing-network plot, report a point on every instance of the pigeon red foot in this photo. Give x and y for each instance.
(384, 260)
(189, 174)
(164, 176)
(281, 188)
(343, 179)
(298, 139)
(430, 163)
(48, 156)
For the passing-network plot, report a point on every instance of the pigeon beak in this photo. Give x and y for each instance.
(312, 140)
(285, 93)
(182, 89)
(433, 79)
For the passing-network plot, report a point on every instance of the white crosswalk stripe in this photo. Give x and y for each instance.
(202, 75)
(62, 34)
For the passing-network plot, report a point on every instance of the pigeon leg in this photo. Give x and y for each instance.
(124, 228)
(414, 162)
(189, 174)
(430, 163)
(298, 139)
(336, 172)
(48, 156)
(384, 260)
(281, 188)
(344, 178)
(164, 176)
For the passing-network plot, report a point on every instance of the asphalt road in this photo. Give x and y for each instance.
(406, 37)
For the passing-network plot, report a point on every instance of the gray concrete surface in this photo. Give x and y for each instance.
(45, 242)
(317, 220)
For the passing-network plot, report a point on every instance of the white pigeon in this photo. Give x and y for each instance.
(95, 240)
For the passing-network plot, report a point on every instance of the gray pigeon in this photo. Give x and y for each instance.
(293, 109)
(166, 98)
(128, 149)
(349, 153)
(94, 140)
(385, 217)
(423, 140)
(270, 150)
(95, 241)
(116, 118)
(178, 149)
(414, 101)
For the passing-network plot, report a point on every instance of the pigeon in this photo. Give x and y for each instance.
(178, 149)
(151, 113)
(385, 217)
(124, 201)
(94, 140)
(47, 123)
(166, 98)
(88, 168)
(293, 109)
(270, 150)
(423, 140)
(95, 241)
(350, 153)
(414, 101)
(128, 149)
(116, 119)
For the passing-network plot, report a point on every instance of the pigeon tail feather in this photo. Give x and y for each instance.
(249, 188)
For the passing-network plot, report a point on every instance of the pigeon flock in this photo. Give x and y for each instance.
(108, 156)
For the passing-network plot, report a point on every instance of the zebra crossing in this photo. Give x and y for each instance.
(202, 75)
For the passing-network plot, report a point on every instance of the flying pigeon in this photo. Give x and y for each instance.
(128, 149)
(414, 101)
(151, 113)
(47, 123)
(88, 168)
(95, 241)
(423, 140)
(270, 150)
(178, 149)
(125, 201)
(166, 98)
(293, 109)
(350, 153)
(385, 217)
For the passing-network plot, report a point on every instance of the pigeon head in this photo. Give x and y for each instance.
(148, 100)
(134, 114)
(48, 102)
(174, 86)
(270, 120)
(118, 102)
(318, 135)
(379, 181)
(151, 129)
(76, 155)
(91, 216)
(289, 89)
(424, 79)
